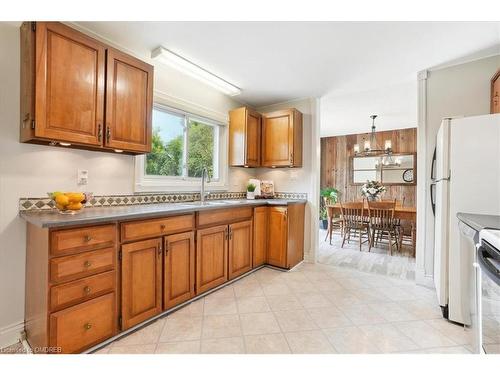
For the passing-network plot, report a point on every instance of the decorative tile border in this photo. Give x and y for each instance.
(28, 204)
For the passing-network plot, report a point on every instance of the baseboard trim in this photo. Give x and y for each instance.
(11, 334)
(422, 279)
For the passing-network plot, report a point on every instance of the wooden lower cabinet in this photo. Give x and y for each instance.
(178, 269)
(211, 258)
(82, 326)
(260, 222)
(141, 281)
(240, 248)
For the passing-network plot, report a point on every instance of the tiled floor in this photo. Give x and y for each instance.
(378, 260)
(312, 309)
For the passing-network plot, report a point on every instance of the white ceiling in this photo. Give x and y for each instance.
(273, 62)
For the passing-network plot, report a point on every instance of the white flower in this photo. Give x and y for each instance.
(372, 191)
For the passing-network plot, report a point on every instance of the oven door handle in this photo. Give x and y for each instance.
(487, 267)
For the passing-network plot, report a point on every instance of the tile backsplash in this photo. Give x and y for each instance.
(45, 203)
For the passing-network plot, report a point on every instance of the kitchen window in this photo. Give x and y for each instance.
(182, 145)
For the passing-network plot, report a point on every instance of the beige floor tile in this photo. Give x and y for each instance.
(104, 350)
(328, 285)
(457, 333)
(195, 308)
(267, 344)
(252, 304)
(259, 323)
(275, 288)
(396, 293)
(362, 314)
(388, 338)
(226, 292)
(343, 297)
(179, 347)
(350, 340)
(424, 335)
(284, 302)
(371, 295)
(309, 342)
(297, 276)
(267, 274)
(442, 350)
(133, 349)
(183, 328)
(229, 345)
(316, 274)
(393, 312)
(295, 320)
(422, 309)
(146, 335)
(372, 281)
(329, 317)
(220, 306)
(219, 326)
(252, 289)
(301, 286)
(311, 300)
(352, 283)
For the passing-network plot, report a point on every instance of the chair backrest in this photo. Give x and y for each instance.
(352, 213)
(399, 203)
(382, 214)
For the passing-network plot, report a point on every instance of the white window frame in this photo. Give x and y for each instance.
(150, 183)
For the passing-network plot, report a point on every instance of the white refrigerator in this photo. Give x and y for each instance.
(466, 178)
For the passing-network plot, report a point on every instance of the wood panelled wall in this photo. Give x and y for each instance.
(335, 162)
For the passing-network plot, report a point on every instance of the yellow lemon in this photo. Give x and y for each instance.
(60, 207)
(74, 206)
(75, 197)
(62, 200)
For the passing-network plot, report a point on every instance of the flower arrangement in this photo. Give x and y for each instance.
(330, 195)
(371, 190)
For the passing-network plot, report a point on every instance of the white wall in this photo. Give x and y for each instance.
(305, 179)
(349, 112)
(32, 170)
(459, 90)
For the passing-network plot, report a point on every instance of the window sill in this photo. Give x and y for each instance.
(176, 186)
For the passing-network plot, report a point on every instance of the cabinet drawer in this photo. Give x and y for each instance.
(73, 267)
(222, 216)
(136, 230)
(81, 290)
(82, 239)
(82, 326)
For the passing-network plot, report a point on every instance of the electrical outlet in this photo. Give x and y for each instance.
(83, 177)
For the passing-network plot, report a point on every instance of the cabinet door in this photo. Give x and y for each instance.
(240, 248)
(211, 257)
(69, 85)
(244, 137)
(129, 100)
(277, 139)
(495, 93)
(277, 237)
(259, 236)
(178, 268)
(141, 281)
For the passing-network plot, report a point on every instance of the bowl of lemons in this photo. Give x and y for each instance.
(68, 202)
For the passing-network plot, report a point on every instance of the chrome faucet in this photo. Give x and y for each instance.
(204, 176)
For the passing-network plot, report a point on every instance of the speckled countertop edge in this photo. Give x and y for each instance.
(53, 219)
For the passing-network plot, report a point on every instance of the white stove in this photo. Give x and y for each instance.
(492, 236)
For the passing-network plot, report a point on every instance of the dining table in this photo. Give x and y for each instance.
(403, 213)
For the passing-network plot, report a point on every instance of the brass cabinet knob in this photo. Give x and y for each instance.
(87, 264)
(87, 238)
(87, 289)
(87, 326)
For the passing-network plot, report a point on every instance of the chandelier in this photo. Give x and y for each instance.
(370, 148)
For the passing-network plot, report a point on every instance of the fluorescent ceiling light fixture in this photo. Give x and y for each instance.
(180, 63)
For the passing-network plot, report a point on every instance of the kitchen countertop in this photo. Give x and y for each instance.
(480, 222)
(92, 215)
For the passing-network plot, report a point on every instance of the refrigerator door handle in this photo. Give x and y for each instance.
(433, 200)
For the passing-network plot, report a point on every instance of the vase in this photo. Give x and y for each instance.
(371, 198)
(250, 194)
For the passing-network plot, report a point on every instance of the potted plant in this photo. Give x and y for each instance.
(371, 190)
(329, 196)
(251, 191)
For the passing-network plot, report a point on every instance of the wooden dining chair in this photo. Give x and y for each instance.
(382, 222)
(333, 223)
(353, 221)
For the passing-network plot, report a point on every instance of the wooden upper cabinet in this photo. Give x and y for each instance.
(76, 90)
(244, 137)
(282, 139)
(129, 102)
(277, 242)
(495, 93)
(178, 269)
(141, 278)
(69, 85)
(211, 258)
(240, 248)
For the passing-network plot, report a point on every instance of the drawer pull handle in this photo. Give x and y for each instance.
(87, 326)
(87, 290)
(162, 227)
(87, 264)
(87, 238)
